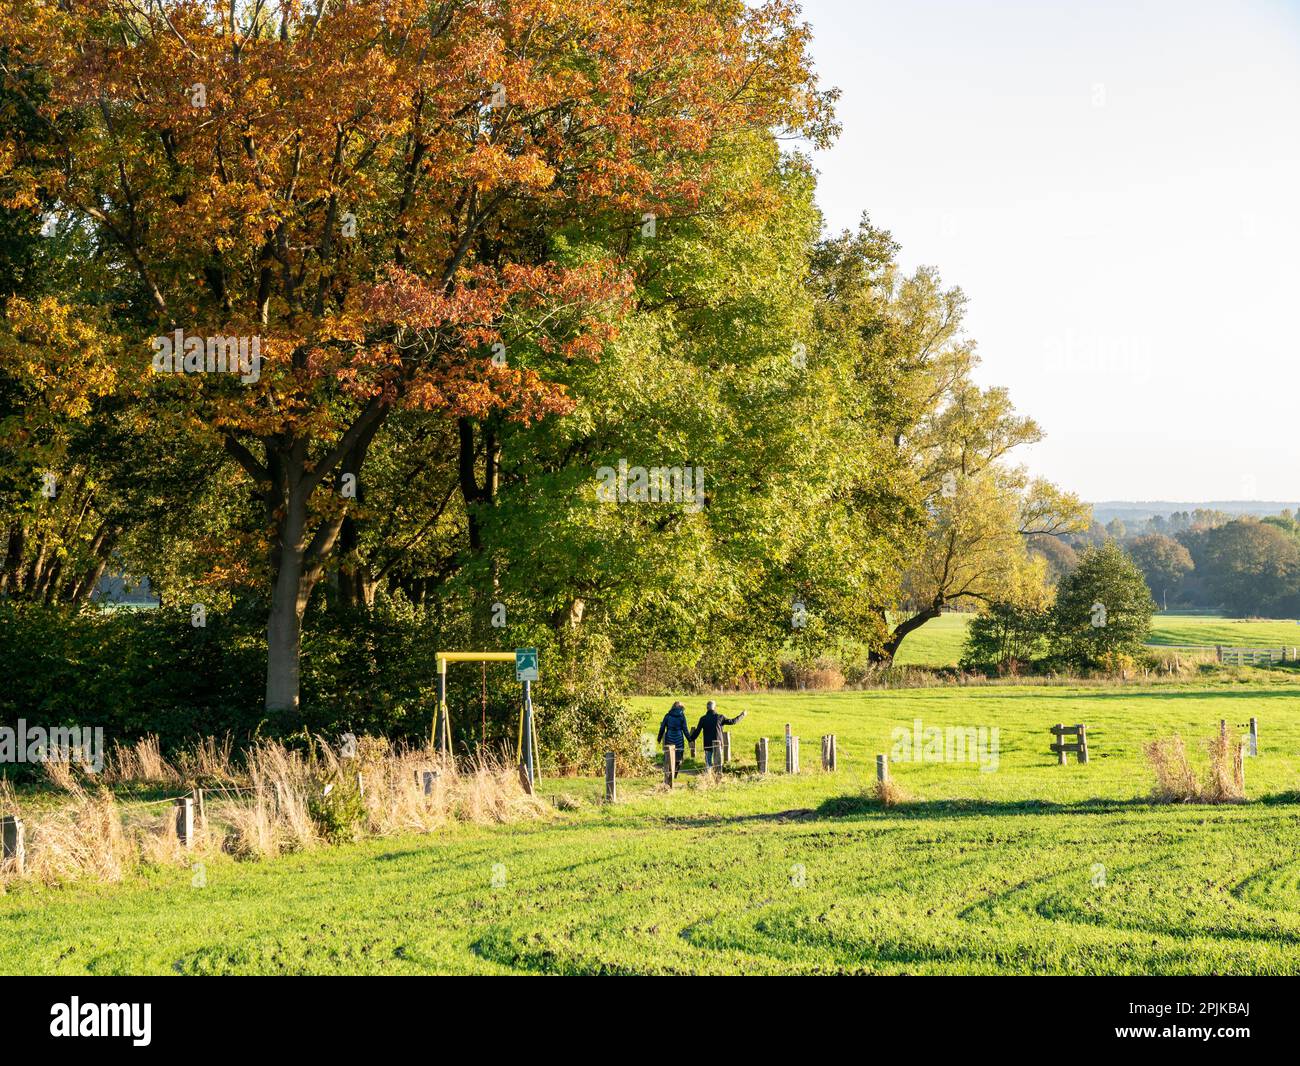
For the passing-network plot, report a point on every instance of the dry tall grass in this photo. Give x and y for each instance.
(282, 800)
(1226, 780)
(85, 839)
(140, 763)
(1176, 780)
(209, 760)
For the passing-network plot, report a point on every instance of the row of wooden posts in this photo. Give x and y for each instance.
(722, 757)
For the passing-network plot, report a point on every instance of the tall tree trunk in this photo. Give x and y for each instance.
(284, 627)
(356, 582)
(90, 581)
(907, 625)
(9, 578)
(477, 498)
(101, 547)
(53, 582)
(296, 562)
(37, 567)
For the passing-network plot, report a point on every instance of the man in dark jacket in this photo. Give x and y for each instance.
(674, 730)
(710, 727)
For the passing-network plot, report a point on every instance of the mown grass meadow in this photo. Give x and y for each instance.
(1032, 868)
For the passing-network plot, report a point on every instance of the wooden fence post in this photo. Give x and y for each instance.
(185, 821)
(611, 788)
(361, 786)
(834, 753)
(426, 778)
(692, 747)
(1254, 736)
(882, 769)
(760, 754)
(200, 807)
(12, 845)
(670, 761)
(792, 756)
(1083, 742)
(726, 748)
(1060, 740)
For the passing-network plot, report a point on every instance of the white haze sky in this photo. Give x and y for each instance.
(1116, 187)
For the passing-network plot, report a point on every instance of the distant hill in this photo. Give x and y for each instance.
(1141, 510)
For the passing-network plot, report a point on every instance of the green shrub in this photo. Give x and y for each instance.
(1005, 637)
(1103, 610)
(337, 808)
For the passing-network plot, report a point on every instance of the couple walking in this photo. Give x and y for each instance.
(675, 730)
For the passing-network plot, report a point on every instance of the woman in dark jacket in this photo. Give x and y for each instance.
(675, 731)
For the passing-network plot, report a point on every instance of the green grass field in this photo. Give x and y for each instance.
(1031, 868)
(939, 643)
(1211, 629)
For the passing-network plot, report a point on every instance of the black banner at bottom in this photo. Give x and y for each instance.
(152, 1014)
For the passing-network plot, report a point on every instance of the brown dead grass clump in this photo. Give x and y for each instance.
(279, 818)
(1176, 778)
(1225, 782)
(889, 793)
(490, 791)
(60, 774)
(209, 761)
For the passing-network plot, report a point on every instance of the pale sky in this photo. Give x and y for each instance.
(1116, 187)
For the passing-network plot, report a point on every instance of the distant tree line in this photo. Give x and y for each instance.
(1244, 566)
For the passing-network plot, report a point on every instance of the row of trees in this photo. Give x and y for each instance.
(485, 251)
(1245, 566)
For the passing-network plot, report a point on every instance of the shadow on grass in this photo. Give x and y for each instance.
(848, 806)
(856, 806)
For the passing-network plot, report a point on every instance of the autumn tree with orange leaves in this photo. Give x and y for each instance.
(363, 192)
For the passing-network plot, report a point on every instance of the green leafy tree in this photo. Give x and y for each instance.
(1056, 552)
(963, 514)
(1005, 636)
(1248, 566)
(1103, 610)
(1164, 563)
